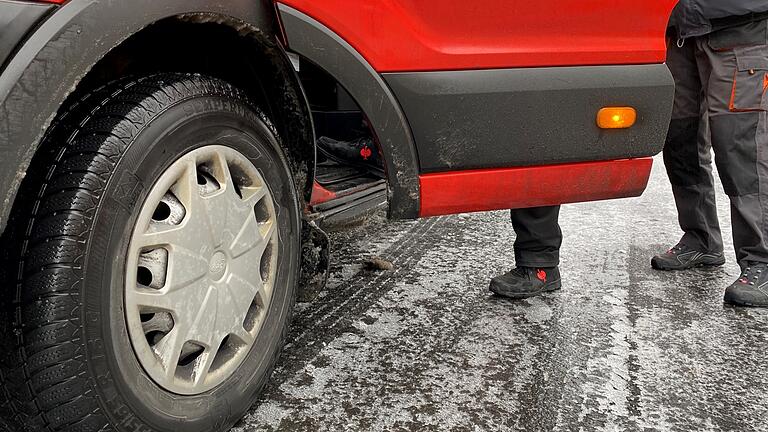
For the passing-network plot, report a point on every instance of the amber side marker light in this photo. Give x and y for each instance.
(616, 117)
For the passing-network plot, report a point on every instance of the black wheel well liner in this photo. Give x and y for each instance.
(330, 52)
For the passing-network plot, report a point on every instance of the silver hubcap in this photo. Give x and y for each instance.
(200, 269)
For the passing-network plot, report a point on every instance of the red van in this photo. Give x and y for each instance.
(164, 166)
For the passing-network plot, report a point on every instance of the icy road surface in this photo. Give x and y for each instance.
(427, 347)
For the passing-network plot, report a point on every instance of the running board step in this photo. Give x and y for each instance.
(350, 208)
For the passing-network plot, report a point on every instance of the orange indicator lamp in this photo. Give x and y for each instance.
(616, 117)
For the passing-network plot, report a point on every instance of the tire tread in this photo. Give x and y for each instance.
(44, 375)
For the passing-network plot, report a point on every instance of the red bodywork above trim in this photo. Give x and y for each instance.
(505, 188)
(429, 35)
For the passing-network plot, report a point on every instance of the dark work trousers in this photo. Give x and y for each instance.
(720, 103)
(538, 236)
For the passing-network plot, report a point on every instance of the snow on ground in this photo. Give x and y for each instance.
(426, 347)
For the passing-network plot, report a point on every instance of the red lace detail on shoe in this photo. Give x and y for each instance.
(542, 275)
(743, 281)
(366, 152)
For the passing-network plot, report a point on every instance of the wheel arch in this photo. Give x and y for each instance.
(321, 46)
(82, 45)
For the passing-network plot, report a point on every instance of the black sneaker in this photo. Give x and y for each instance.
(524, 282)
(681, 257)
(751, 289)
(361, 152)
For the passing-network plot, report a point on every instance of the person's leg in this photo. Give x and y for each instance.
(537, 254)
(538, 238)
(688, 161)
(737, 104)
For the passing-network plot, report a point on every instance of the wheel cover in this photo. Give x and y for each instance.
(201, 268)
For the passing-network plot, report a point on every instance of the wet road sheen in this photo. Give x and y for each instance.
(427, 347)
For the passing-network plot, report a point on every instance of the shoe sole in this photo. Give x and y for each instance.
(739, 303)
(550, 287)
(745, 304)
(662, 267)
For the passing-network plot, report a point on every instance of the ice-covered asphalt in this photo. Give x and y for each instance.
(426, 347)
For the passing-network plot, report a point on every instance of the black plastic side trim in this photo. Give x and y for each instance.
(537, 116)
(320, 45)
(15, 21)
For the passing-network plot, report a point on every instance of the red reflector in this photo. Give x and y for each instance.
(320, 195)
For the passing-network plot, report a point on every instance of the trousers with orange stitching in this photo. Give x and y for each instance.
(720, 104)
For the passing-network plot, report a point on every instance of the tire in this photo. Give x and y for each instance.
(75, 360)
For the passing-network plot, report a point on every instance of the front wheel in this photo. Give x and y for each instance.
(158, 256)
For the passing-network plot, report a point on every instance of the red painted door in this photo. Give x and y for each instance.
(423, 35)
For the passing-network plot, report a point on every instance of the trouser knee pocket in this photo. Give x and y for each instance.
(681, 153)
(734, 141)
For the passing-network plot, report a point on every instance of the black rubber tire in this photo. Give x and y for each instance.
(68, 364)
